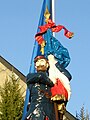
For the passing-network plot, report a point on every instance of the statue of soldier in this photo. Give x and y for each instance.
(39, 85)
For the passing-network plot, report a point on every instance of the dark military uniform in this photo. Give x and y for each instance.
(41, 106)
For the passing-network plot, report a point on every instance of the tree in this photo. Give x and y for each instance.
(87, 116)
(83, 115)
(11, 99)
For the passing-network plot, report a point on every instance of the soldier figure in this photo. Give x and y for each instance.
(39, 85)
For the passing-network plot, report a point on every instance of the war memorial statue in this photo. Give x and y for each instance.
(49, 85)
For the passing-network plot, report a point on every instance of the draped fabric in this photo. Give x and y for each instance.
(61, 82)
(54, 47)
(51, 25)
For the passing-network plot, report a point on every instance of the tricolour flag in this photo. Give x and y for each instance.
(45, 44)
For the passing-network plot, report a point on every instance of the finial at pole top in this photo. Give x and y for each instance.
(46, 14)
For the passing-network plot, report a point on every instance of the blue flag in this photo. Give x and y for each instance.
(36, 49)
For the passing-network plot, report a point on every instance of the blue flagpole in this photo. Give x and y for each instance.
(36, 49)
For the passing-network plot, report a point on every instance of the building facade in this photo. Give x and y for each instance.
(6, 70)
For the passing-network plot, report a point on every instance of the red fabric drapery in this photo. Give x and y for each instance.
(51, 25)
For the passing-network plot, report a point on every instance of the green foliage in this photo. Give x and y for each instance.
(11, 101)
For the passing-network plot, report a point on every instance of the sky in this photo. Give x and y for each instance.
(18, 26)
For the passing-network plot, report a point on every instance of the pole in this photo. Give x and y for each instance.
(53, 13)
(53, 19)
(53, 10)
(56, 111)
(57, 115)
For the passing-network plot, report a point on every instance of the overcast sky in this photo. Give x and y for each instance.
(18, 26)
